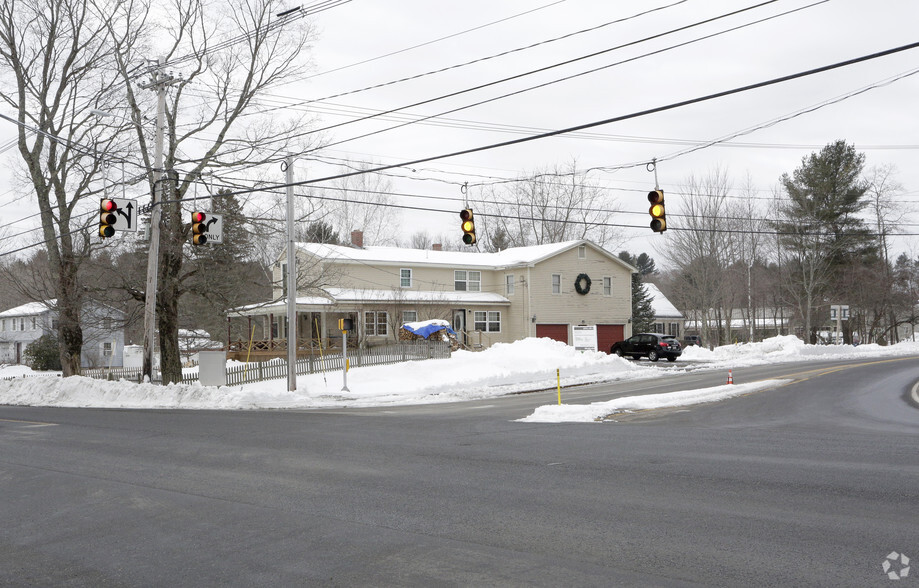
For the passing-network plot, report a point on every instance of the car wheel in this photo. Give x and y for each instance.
(652, 356)
(671, 358)
(618, 352)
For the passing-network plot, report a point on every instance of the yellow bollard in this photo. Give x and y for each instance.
(558, 380)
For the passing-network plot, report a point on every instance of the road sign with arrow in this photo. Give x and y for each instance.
(126, 215)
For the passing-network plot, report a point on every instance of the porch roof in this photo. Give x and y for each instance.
(344, 299)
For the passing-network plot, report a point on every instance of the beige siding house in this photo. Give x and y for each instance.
(489, 298)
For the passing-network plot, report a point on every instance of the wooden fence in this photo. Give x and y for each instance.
(258, 371)
(382, 355)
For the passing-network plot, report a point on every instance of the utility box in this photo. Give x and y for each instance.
(212, 368)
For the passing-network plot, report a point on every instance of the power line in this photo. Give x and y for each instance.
(474, 61)
(434, 40)
(459, 92)
(593, 124)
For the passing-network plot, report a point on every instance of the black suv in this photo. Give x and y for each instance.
(651, 345)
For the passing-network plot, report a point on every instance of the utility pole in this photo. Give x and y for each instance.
(159, 83)
(291, 281)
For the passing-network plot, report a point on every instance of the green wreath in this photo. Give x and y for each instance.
(586, 287)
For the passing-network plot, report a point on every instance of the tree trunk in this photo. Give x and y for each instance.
(169, 291)
(70, 334)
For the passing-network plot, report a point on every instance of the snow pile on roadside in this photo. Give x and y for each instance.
(596, 411)
(506, 368)
(790, 348)
(530, 364)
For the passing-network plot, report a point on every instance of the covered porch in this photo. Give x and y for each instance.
(259, 331)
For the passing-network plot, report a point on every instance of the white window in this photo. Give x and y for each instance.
(107, 349)
(33, 323)
(488, 321)
(582, 252)
(3, 325)
(607, 286)
(556, 283)
(409, 316)
(467, 281)
(405, 278)
(375, 323)
(509, 284)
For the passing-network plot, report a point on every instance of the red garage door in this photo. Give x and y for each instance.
(609, 334)
(557, 332)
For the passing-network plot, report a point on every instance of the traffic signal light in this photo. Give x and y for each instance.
(198, 228)
(468, 226)
(658, 215)
(107, 217)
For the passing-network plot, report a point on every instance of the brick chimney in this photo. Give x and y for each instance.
(437, 247)
(357, 239)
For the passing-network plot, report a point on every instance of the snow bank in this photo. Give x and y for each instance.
(522, 366)
(596, 411)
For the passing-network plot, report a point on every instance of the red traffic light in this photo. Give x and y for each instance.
(198, 228)
(107, 217)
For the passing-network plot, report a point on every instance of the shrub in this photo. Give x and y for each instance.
(43, 354)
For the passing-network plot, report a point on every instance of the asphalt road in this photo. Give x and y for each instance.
(811, 483)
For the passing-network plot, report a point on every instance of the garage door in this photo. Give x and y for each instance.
(609, 334)
(557, 332)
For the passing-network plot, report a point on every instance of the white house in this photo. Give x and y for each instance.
(667, 319)
(103, 332)
(488, 298)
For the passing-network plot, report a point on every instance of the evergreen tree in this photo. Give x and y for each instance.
(642, 308)
(820, 230)
(321, 232)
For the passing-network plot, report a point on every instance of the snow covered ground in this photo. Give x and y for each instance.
(526, 365)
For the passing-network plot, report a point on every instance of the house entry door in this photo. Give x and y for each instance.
(459, 323)
(18, 353)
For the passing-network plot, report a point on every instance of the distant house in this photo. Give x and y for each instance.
(488, 298)
(768, 322)
(103, 332)
(667, 319)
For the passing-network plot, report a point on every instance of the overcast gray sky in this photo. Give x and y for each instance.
(881, 122)
(364, 43)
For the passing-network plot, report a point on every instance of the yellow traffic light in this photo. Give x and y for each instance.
(657, 212)
(468, 226)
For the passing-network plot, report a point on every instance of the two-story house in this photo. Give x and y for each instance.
(539, 291)
(103, 332)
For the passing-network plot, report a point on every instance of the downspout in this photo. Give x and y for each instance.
(531, 326)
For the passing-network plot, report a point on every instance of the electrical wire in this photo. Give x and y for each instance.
(474, 61)
(551, 82)
(425, 44)
(593, 124)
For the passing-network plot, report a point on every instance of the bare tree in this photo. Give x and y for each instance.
(550, 206)
(213, 92)
(701, 253)
(56, 66)
(361, 203)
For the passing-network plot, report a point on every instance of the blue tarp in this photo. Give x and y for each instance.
(426, 330)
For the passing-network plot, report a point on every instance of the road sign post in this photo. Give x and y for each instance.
(344, 325)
